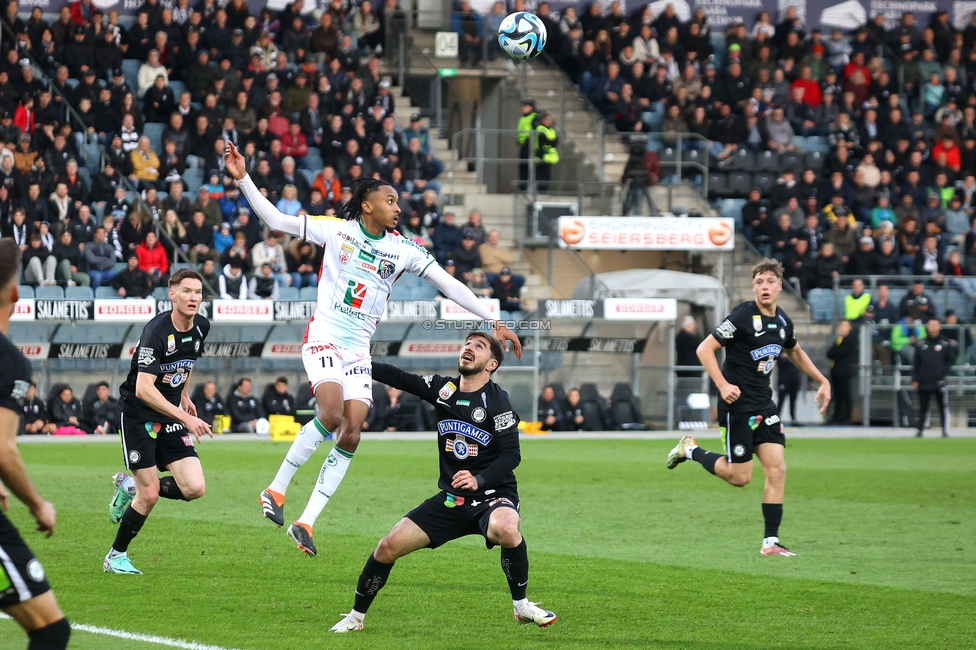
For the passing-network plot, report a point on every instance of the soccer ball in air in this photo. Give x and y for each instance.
(522, 35)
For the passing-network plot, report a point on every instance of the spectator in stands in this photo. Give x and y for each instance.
(103, 412)
(277, 400)
(508, 291)
(447, 237)
(263, 284)
(145, 165)
(466, 257)
(904, 335)
(843, 237)
(67, 414)
(468, 25)
(863, 261)
(783, 237)
(199, 240)
(494, 257)
(916, 301)
(800, 266)
(857, 302)
(153, 259)
(929, 260)
(549, 411)
(210, 405)
(474, 228)
(71, 262)
(133, 282)
(843, 357)
(223, 239)
(232, 282)
(100, 259)
(827, 267)
(572, 419)
(35, 413)
(39, 264)
(303, 261)
(686, 343)
(245, 409)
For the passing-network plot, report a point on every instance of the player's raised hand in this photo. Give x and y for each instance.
(731, 392)
(464, 480)
(235, 161)
(823, 393)
(46, 516)
(502, 333)
(197, 427)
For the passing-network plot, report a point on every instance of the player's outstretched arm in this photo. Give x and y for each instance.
(802, 361)
(13, 473)
(413, 384)
(707, 350)
(268, 213)
(462, 295)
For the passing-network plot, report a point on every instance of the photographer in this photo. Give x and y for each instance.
(643, 170)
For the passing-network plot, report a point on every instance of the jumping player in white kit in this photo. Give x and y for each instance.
(363, 258)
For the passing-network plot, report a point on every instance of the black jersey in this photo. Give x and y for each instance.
(753, 343)
(15, 375)
(476, 431)
(167, 353)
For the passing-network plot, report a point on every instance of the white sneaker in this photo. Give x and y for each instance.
(71, 283)
(527, 612)
(353, 622)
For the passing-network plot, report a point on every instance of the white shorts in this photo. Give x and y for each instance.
(351, 368)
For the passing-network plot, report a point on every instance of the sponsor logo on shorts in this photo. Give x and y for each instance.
(771, 420)
(134, 456)
(187, 441)
(502, 501)
(479, 414)
(35, 571)
(360, 370)
(173, 428)
(153, 429)
(739, 450)
(754, 423)
(504, 420)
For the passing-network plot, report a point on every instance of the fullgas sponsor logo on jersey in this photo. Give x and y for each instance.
(459, 428)
(766, 355)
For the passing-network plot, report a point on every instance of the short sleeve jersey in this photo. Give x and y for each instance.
(753, 343)
(15, 375)
(357, 276)
(167, 353)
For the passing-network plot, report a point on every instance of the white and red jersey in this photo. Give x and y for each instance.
(357, 276)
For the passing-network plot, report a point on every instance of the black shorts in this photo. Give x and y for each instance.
(21, 574)
(155, 444)
(443, 524)
(743, 430)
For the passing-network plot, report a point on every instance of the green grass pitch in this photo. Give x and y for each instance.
(629, 554)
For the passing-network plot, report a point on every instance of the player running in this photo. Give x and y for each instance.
(158, 417)
(754, 335)
(478, 447)
(363, 258)
(25, 594)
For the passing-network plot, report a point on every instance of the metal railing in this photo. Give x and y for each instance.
(940, 291)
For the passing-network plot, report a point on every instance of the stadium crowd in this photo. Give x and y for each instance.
(892, 191)
(303, 99)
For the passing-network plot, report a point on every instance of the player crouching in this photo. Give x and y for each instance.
(478, 446)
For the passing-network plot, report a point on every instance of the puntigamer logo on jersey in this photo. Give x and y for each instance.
(176, 372)
(766, 355)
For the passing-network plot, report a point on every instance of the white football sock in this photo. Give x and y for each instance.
(305, 444)
(769, 541)
(114, 554)
(688, 451)
(333, 471)
(518, 604)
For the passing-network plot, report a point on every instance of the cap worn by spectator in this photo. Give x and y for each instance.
(271, 76)
(25, 137)
(528, 102)
(866, 240)
(118, 72)
(238, 32)
(246, 211)
(505, 271)
(449, 263)
(225, 226)
(415, 117)
(91, 73)
(384, 84)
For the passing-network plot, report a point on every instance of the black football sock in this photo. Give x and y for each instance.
(129, 527)
(371, 580)
(515, 564)
(706, 458)
(168, 489)
(773, 515)
(50, 637)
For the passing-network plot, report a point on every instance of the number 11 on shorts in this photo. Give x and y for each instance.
(324, 359)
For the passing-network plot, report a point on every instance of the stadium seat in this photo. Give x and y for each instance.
(49, 293)
(739, 183)
(764, 181)
(178, 88)
(791, 160)
(130, 67)
(821, 304)
(668, 158)
(424, 291)
(106, 293)
(595, 416)
(625, 407)
(743, 160)
(308, 174)
(154, 131)
(25, 291)
(179, 266)
(814, 160)
(287, 293)
(768, 161)
(401, 293)
(79, 293)
(308, 293)
(717, 184)
(160, 293)
(958, 302)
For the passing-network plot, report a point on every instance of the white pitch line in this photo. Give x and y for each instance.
(145, 638)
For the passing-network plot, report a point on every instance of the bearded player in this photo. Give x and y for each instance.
(362, 258)
(478, 448)
(753, 335)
